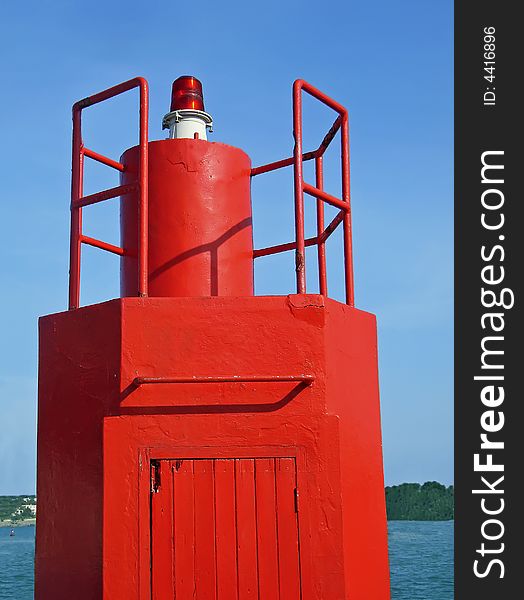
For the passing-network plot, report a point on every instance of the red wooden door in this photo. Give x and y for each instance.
(225, 529)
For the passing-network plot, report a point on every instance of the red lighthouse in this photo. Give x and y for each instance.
(196, 441)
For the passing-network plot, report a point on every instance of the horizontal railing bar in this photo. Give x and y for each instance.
(282, 248)
(321, 195)
(316, 93)
(110, 93)
(307, 379)
(102, 245)
(307, 242)
(331, 227)
(103, 159)
(286, 162)
(105, 195)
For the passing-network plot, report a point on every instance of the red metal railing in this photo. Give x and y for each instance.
(79, 201)
(304, 379)
(317, 191)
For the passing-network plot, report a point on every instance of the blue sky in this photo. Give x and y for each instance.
(389, 62)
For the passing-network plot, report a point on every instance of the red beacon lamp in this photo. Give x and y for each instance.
(196, 441)
(187, 118)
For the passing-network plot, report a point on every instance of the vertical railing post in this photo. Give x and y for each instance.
(300, 255)
(143, 184)
(321, 245)
(346, 196)
(77, 175)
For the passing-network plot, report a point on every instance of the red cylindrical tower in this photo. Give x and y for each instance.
(200, 233)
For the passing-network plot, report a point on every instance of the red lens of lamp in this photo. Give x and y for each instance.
(187, 93)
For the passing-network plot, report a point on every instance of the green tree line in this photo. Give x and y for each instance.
(431, 501)
(12, 509)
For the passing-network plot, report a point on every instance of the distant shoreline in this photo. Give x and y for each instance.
(27, 522)
(430, 501)
(19, 523)
(421, 520)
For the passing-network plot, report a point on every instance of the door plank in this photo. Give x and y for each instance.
(205, 557)
(266, 528)
(287, 527)
(162, 580)
(246, 529)
(225, 529)
(184, 529)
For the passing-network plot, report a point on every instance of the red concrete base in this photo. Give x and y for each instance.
(98, 434)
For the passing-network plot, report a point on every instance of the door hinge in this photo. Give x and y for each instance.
(296, 499)
(155, 476)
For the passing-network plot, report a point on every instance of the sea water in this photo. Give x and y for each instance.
(16, 563)
(421, 561)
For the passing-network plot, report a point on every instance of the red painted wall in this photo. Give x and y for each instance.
(97, 432)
